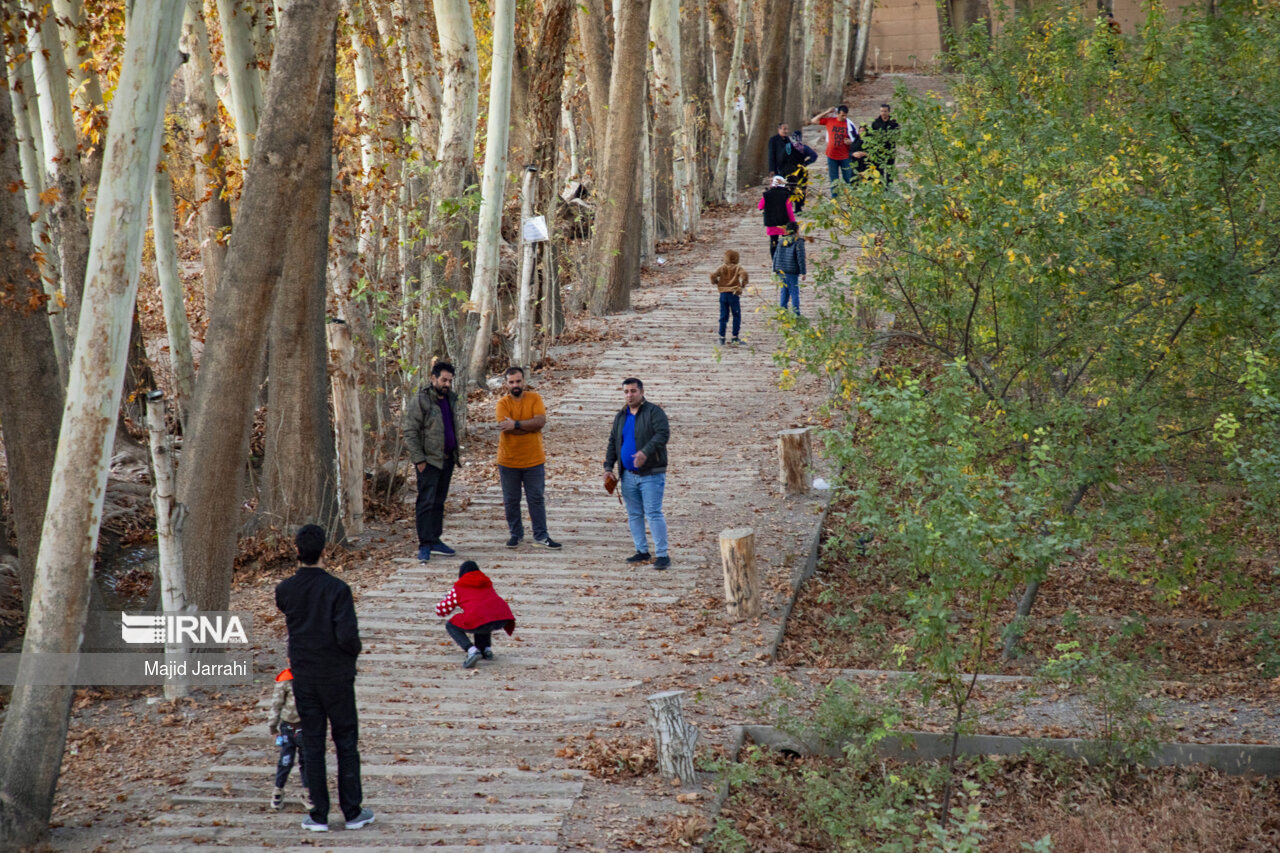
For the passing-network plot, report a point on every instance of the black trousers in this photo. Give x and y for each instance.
(433, 489)
(322, 706)
(484, 634)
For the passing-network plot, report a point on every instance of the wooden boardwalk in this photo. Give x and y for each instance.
(457, 760)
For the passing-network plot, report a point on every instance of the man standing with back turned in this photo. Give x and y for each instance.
(324, 641)
(638, 442)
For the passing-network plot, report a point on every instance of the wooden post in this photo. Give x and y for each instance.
(674, 737)
(349, 435)
(169, 513)
(741, 588)
(794, 457)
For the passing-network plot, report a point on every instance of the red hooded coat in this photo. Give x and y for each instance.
(474, 593)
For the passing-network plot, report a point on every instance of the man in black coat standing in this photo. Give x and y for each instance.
(324, 641)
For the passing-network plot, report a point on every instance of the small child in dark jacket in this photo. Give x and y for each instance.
(789, 264)
(483, 612)
(283, 725)
(730, 279)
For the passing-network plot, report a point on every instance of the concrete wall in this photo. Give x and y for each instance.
(906, 31)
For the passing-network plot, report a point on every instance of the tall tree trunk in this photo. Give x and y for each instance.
(175, 313)
(30, 143)
(86, 92)
(727, 161)
(421, 70)
(837, 69)
(67, 220)
(612, 266)
(793, 99)
(808, 93)
(864, 35)
(30, 404)
(670, 98)
(296, 114)
(766, 112)
(35, 727)
(299, 473)
(207, 154)
(446, 266)
(484, 286)
(697, 103)
(243, 78)
(597, 60)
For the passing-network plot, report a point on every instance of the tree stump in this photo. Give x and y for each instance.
(346, 421)
(794, 457)
(674, 737)
(741, 589)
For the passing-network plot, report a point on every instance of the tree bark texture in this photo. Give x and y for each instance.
(864, 35)
(793, 97)
(795, 455)
(593, 36)
(200, 105)
(35, 727)
(837, 70)
(299, 464)
(484, 287)
(173, 593)
(727, 161)
(528, 257)
(243, 79)
(669, 100)
(67, 222)
(695, 76)
(769, 84)
(30, 398)
(613, 270)
(673, 736)
(741, 584)
(349, 435)
(181, 361)
(298, 111)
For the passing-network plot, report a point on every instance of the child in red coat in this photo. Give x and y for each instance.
(483, 612)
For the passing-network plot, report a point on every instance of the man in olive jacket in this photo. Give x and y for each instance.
(433, 423)
(638, 443)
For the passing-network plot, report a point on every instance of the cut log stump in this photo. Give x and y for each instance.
(794, 458)
(674, 737)
(741, 587)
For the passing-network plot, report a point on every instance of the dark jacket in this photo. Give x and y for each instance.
(789, 256)
(783, 155)
(775, 207)
(652, 433)
(883, 139)
(324, 637)
(424, 428)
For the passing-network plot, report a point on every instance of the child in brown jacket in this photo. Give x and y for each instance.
(730, 279)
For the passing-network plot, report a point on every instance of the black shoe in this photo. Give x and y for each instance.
(639, 557)
(513, 542)
(548, 543)
(441, 548)
(486, 653)
(662, 563)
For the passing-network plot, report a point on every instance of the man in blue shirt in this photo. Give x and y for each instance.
(638, 445)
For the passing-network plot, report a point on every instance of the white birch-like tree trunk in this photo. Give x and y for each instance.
(566, 121)
(484, 286)
(664, 33)
(864, 34)
(810, 60)
(727, 162)
(67, 222)
(87, 91)
(838, 58)
(648, 194)
(524, 305)
(31, 154)
(419, 67)
(208, 157)
(169, 513)
(243, 79)
(35, 726)
(175, 312)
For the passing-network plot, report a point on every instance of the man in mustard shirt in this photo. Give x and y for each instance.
(521, 459)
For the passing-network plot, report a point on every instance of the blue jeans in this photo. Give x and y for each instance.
(837, 169)
(730, 302)
(643, 496)
(790, 289)
(534, 482)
